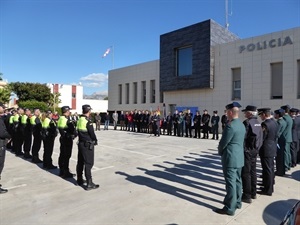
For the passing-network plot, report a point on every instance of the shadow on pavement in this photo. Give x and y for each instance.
(275, 212)
(296, 175)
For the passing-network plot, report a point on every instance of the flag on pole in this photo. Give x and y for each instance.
(106, 52)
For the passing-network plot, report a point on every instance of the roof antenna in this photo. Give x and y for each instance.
(227, 14)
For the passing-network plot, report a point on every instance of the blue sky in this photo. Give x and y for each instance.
(63, 41)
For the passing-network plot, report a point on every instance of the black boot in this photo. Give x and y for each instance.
(35, 159)
(27, 155)
(80, 181)
(91, 185)
(68, 174)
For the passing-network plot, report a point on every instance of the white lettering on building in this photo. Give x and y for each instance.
(266, 44)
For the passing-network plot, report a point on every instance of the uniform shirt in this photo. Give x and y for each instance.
(66, 127)
(281, 127)
(288, 130)
(36, 125)
(49, 127)
(269, 147)
(85, 130)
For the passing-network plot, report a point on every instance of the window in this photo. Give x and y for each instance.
(152, 88)
(73, 95)
(135, 93)
(298, 75)
(161, 97)
(184, 61)
(143, 92)
(120, 93)
(276, 80)
(127, 93)
(236, 83)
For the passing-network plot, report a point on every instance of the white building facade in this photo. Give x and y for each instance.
(263, 71)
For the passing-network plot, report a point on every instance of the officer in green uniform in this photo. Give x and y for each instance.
(48, 135)
(231, 149)
(67, 132)
(87, 141)
(288, 137)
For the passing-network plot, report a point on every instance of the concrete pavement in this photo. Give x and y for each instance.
(144, 180)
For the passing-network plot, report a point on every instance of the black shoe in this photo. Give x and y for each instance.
(36, 159)
(254, 197)
(264, 193)
(51, 167)
(3, 191)
(68, 175)
(80, 181)
(27, 156)
(91, 185)
(223, 212)
(19, 153)
(247, 200)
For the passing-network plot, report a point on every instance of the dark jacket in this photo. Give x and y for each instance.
(253, 137)
(269, 146)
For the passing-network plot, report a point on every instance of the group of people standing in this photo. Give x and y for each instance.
(24, 132)
(275, 139)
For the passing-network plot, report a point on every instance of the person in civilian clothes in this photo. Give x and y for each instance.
(98, 121)
(107, 120)
(86, 147)
(122, 121)
(252, 143)
(231, 149)
(197, 125)
(268, 151)
(298, 131)
(215, 125)
(295, 138)
(180, 124)
(115, 117)
(205, 124)
(288, 137)
(169, 121)
(188, 123)
(224, 120)
(278, 114)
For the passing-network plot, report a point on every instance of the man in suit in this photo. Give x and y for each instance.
(268, 150)
(205, 124)
(295, 138)
(231, 149)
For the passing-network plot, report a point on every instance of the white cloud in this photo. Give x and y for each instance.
(94, 80)
(101, 93)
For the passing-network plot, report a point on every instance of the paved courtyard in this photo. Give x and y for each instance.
(144, 180)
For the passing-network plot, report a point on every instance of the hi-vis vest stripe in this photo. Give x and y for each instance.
(24, 119)
(62, 122)
(81, 124)
(46, 123)
(32, 120)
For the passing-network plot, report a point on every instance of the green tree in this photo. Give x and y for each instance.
(5, 94)
(106, 98)
(31, 91)
(54, 101)
(32, 104)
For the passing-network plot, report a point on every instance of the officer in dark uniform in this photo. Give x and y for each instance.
(232, 156)
(67, 132)
(280, 142)
(205, 124)
(175, 121)
(27, 133)
(215, 125)
(288, 137)
(224, 120)
(268, 150)
(252, 144)
(295, 138)
(87, 141)
(4, 136)
(36, 127)
(197, 125)
(169, 121)
(188, 123)
(18, 138)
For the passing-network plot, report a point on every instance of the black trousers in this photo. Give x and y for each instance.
(169, 128)
(2, 159)
(85, 159)
(188, 130)
(66, 145)
(215, 132)
(268, 175)
(36, 146)
(18, 142)
(48, 150)
(175, 128)
(205, 131)
(197, 131)
(249, 176)
(27, 142)
(294, 152)
(280, 171)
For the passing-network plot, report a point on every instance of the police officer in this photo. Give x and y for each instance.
(280, 142)
(4, 136)
(87, 141)
(197, 125)
(67, 132)
(27, 134)
(36, 128)
(231, 150)
(215, 125)
(49, 133)
(288, 137)
(268, 150)
(295, 138)
(252, 143)
(12, 130)
(18, 137)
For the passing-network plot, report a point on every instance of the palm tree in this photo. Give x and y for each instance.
(54, 100)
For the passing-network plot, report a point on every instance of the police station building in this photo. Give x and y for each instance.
(205, 66)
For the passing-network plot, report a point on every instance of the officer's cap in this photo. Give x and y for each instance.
(285, 107)
(263, 110)
(65, 109)
(2, 105)
(294, 110)
(232, 105)
(279, 112)
(86, 108)
(250, 108)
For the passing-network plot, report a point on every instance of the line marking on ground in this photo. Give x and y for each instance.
(134, 152)
(103, 168)
(17, 186)
(158, 156)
